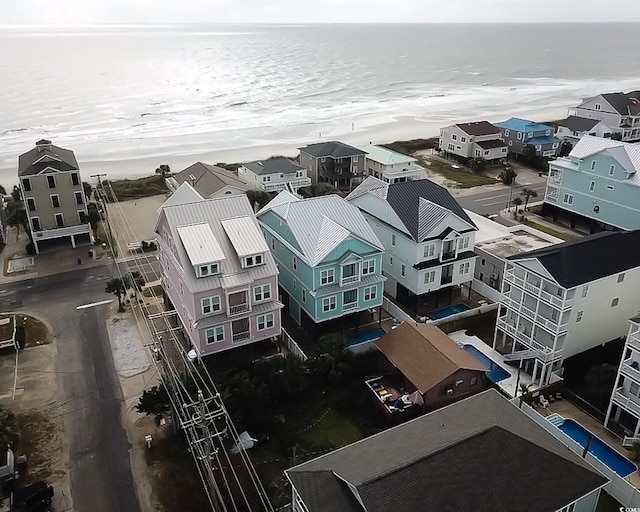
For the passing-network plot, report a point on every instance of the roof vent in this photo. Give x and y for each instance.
(260, 164)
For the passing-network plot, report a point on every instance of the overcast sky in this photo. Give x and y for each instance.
(310, 11)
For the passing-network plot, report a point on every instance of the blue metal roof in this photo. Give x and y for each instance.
(523, 125)
(542, 141)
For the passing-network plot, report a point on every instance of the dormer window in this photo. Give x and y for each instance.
(208, 270)
(253, 261)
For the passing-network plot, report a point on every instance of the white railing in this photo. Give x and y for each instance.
(555, 178)
(633, 341)
(396, 312)
(349, 306)
(628, 441)
(619, 398)
(350, 279)
(293, 347)
(66, 231)
(546, 353)
(302, 182)
(630, 371)
(241, 336)
(238, 309)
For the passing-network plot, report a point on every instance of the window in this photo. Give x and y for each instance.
(486, 153)
(295, 284)
(51, 180)
(506, 133)
(370, 293)
(210, 304)
(329, 304)
(538, 147)
(620, 278)
(35, 223)
(327, 276)
(463, 243)
(473, 381)
(75, 179)
(265, 321)
(258, 259)
(78, 197)
(634, 388)
(266, 179)
(368, 267)
(450, 147)
(204, 270)
(262, 292)
(215, 334)
(579, 317)
(585, 290)
(354, 159)
(597, 106)
(59, 220)
(554, 145)
(612, 170)
(510, 143)
(31, 204)
(482, 262)
(248, 261)
(530, 135)
(609, 187)
(567, 199)
(430, 277)
(478, 152)
(593, 165)
(26, 184)
(463, 139)
(464, 268)
(614, 302)
(393, 240)
(304, 295)
(273, 244)
(55, 201)
(295, 263)
(391, 260)
(403, 270)
(454, 136)
(547, 133)
(592, 186)
(82, 219)
(519, 136)
(429, 250)
(213, 268)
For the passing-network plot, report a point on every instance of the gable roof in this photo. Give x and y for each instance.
(431, 463)
(420, 205)
(44, 155)
(333, 149)
(273, 166)
(425, 355)
(578, 124)
(320, 224)
(478, 128)
(386, 156)
(628, 155)
(523, 125)
(184, 194)
(209, 179)
(623, 103)
(589, 258)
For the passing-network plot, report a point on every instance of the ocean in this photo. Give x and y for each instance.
(129, 98)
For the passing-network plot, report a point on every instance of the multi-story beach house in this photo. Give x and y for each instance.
(618, 110)
(479, 139)
(333, 162)
(329, 258)
(573, 128)
(562, 300)
(209, 181)
(217, 271)
(53, 195)
(428, 238)
(623, 414)
(431, 464)
(598, 180)
(391, 166)
(518, 133)
(274, 175)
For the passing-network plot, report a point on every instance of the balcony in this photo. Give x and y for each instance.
(238, 309)
(633, 341)
(62, 231)
(546, 353)
(446, 279)
(350, 306)
(629, 404)
(241, 336)
(448, 256)
(631, 369)
(555, 178)
(349, 280)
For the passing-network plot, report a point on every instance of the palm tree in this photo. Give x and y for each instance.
(17, 217)
(16, 193)
(118, 287)
(528, 193)
(517, 202)
(87, 188)
(163, 170)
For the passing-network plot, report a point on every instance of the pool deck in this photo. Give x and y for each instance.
(569, 411)
(507, 385)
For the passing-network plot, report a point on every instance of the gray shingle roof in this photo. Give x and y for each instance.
(622, 102)
(333, 149)
(478, 128)
(273, 166)
(586, 259)
(44, 155)
(480, 454)
(578, 124)
(320, 224)
(209, 179)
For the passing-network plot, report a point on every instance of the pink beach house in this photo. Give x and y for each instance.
(217, 271)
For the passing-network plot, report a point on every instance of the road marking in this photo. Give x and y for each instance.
(492, 204)
(490, 197)
(85, 306)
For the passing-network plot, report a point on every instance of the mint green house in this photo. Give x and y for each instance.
(330, 260)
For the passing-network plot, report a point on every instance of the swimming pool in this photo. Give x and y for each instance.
(496, 372)
(598, 448)
(448, 311)
(366, 336)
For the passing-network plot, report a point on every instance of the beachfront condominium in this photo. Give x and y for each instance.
(329, 258)
(333, 162)
(53, 195)
(391, 166)
(599, 181)
(479, 139)
(519, 133)
(619, 111)
(428, 238)
(567, 298)
(274, 175)
(218, 274)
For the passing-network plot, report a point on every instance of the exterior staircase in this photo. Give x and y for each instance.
(521, 355)
(555, 419)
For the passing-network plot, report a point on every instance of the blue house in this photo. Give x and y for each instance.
(329, 258)
(518, 133)
(599, 180)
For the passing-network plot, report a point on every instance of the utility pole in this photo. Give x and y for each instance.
(100, 196)
(99, 176)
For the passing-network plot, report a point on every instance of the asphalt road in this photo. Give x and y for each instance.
(100, 474)
(147, 264)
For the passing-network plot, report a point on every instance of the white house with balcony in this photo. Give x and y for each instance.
(427, 236)
(390, 166)
(623, 414)
(565, 299)
(274, 175)
(479, 139)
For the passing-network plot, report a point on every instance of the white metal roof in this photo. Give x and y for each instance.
(200, 243)
(245, 236)
(626, 153)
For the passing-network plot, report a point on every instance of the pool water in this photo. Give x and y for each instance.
(599, 449)
(496, 372)
(448, 311)
(366, 336)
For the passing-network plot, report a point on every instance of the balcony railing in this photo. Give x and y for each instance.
(629, 371)
(634, 341)
(555, 178)
(448, 256)
(63, 231)
(627, 403)
(349, 279)
(548, 323)
(241, 336)
(238, 309)
(349, 306)
(446, 279)
(546, 353)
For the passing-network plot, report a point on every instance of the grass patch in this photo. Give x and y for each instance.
(332, 429)
(409, 147)
(135, 189)
(34, 331)
(463, 178)
(549, 231)
(40, 442)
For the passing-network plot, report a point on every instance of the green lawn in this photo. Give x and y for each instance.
(462, 177)
(550, 231)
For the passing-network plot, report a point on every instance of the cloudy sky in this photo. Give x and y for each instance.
(310, 11)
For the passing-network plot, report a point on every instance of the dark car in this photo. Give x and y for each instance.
(32, 498)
